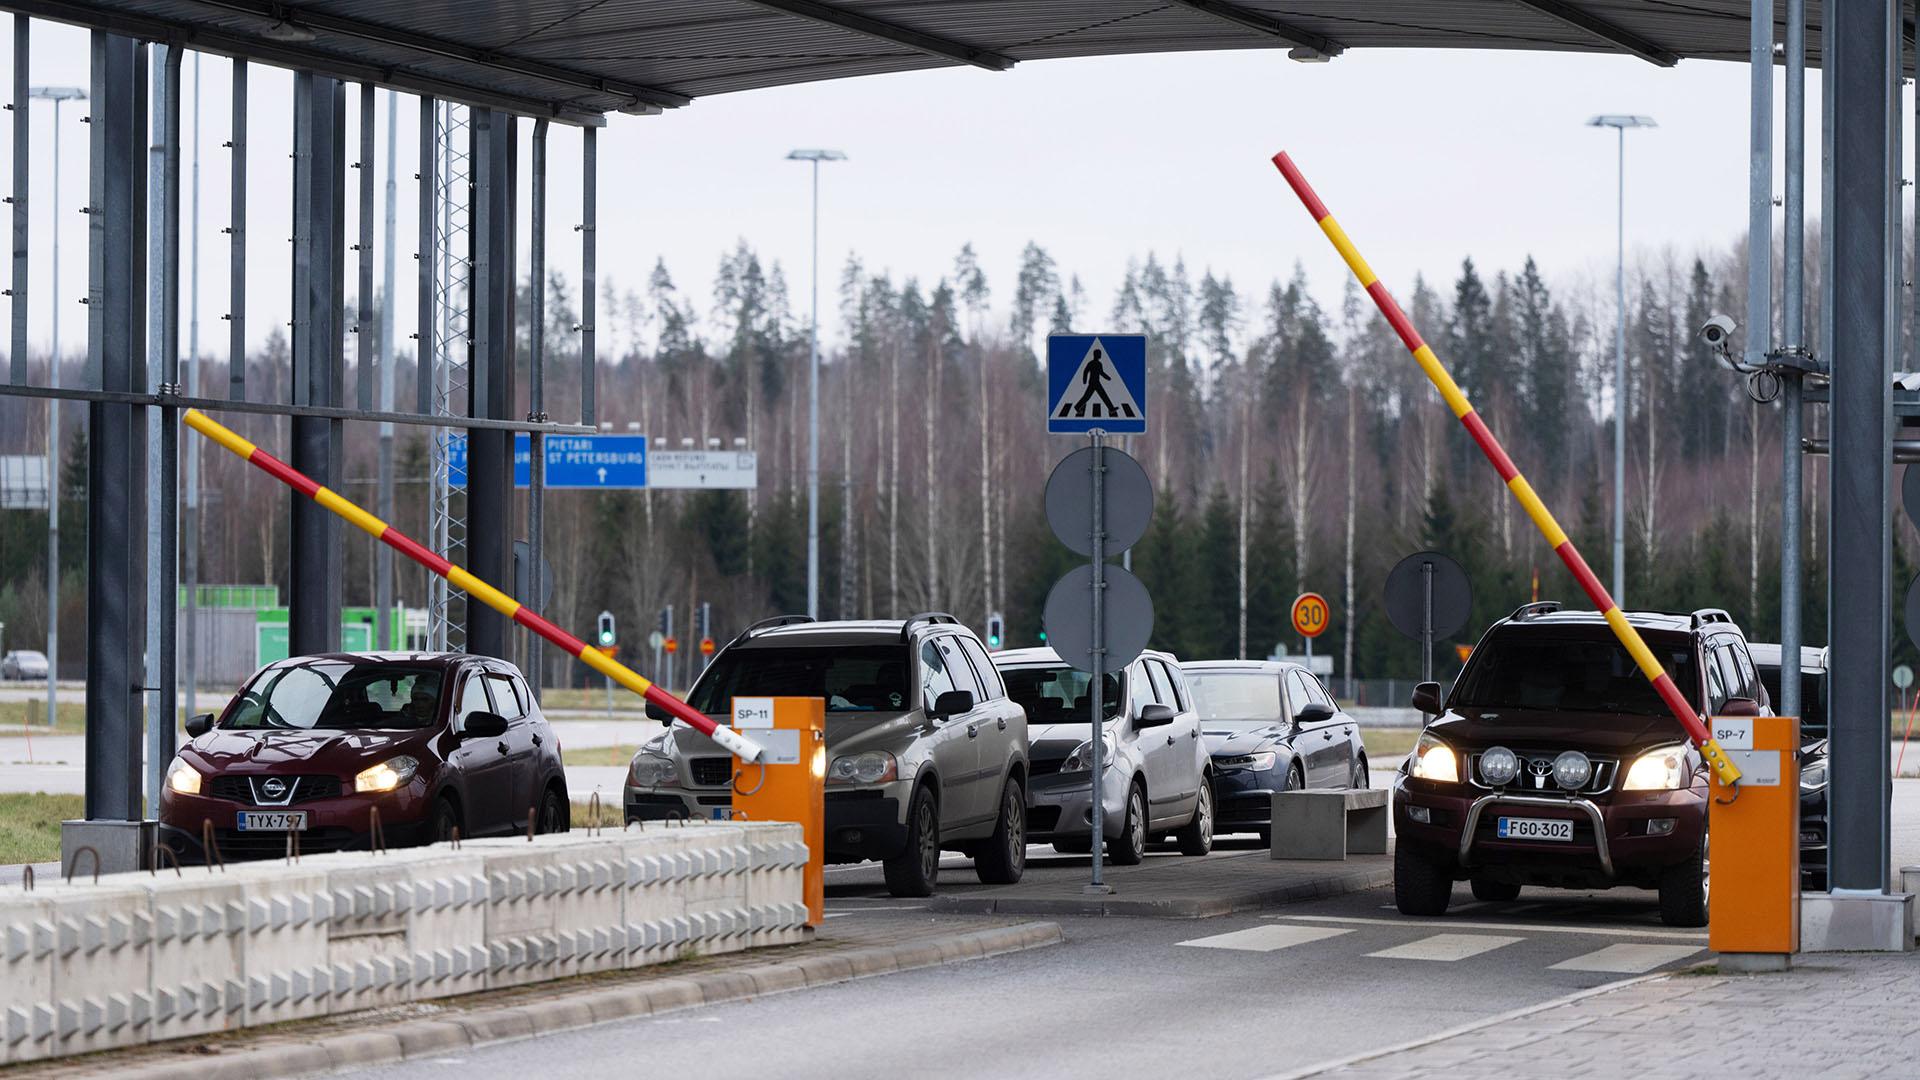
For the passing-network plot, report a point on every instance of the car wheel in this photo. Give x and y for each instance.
(1684, 890)
(446, 821)
(1196, 837)
(1496, 891)
(1130, 847)
(1358, 781)
(1001, 859)
(1421, 884)
(553, 813)
(1296, 780)
(916, 870)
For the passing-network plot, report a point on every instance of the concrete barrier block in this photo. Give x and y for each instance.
(98, 986)
(27, 925)
(284, 935)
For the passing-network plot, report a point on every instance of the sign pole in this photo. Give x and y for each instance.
(1095, 691)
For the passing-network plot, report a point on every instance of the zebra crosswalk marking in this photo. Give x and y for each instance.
(1515, 927)
(1266, 938)
(1628, 959)
(1446, 948)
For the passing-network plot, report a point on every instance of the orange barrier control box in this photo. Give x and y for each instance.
(1753, 834)
(789, 783)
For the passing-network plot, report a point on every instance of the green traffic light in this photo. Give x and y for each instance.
(606, 637)
(994, 641)
(1043, 637)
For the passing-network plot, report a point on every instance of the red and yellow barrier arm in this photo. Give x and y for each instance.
(1523, 491)
(739, 745)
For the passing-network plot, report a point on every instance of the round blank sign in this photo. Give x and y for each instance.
(1903, 676)
(1127, 503)
(1127, 613)
(1406, 595)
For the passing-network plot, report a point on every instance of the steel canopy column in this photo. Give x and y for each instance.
(490, 453)
(589, 164)
(424, 351)
(319, 181)
(1855, 37)
(536, 397)
(237, 242)
(1793, 302)
(115, 463)
(17, 353)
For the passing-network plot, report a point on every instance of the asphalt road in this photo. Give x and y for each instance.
(1238, 996)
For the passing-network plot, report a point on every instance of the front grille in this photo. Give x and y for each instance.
(244, 789)
(1600, 782)
(711, 771)
(1046, 768)
(235, 844)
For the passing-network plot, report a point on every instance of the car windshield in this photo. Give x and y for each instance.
(1567, 673)
(1236, 699)
(1061, 695)
(28, 656)
(339, 695)
(852, 679)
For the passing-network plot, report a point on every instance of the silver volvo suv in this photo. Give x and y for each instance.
(926, 752)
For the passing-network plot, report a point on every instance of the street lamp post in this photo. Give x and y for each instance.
(57, 95)
(1620, 124)
(813, 390)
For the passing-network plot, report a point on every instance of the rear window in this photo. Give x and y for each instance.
(1060, 695)
(852, 679)
(1526, 669)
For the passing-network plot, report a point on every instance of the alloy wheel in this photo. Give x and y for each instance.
(929, 830)
(1016, 816)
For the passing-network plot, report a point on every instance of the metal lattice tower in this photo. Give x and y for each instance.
(452, 331)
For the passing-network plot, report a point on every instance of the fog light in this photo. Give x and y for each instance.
(1661, 826)
(1421, 814)
(1572, 770)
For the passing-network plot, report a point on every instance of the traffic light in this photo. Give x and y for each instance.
(666, 620)
(996, 630)
(607, 633)
(1043, 637)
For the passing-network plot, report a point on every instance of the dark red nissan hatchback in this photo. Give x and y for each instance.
(314, 745)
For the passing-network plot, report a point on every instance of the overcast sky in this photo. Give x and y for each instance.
(1424, 157)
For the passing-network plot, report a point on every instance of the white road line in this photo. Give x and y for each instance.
(1628, 959)
(1525, 928)
(1446, 948)
(1266, 938)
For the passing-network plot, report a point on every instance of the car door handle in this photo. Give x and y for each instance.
(1328, 736)
(973, 731)
(537, 742)
(1169, 740)
(1003, 723)
(500, 746)
(1193, 734)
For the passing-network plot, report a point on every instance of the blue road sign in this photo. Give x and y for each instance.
(1096, 382)
(610, 462)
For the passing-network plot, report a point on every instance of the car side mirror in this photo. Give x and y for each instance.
(1740, 706)
(659, 712)
(1426, 698)
(951, 703)
(1313, 712)
(485, 725)
(1154, 715)
(199, 725)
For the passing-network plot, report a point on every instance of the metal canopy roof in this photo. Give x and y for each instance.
(576, 59)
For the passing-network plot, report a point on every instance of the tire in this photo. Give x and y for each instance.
(1496, 891)
(1296, 780)
(1130, 847)
(916, 870)
(554, 814)
(1196, 836)
(1359, 781)
(446, 821)
(1002, 858)
(1684, 891)
(1421, 886)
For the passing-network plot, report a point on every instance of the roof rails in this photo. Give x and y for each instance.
(1711, 615)
(768, 624)
(1528, 611)
(906, 628)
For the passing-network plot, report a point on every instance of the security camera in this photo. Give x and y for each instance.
(1718, 333)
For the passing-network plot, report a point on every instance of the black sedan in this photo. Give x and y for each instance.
(1813, 752)
(1270, 726)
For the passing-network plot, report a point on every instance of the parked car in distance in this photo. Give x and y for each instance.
(925, 751)
(1554, 762)
(1813, 752)
(312, 745)
(1157, 773)
(1269, 726)
(23, 664)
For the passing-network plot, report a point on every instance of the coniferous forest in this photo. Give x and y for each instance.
(1293, 446)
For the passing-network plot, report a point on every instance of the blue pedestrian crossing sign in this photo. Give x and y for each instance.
(1096, 382)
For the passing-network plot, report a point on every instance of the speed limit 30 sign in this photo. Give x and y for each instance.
(1311, 615)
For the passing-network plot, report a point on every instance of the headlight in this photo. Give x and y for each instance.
(651, 771)
(1081, 760)
(1258, 761)
(872, 767)
(1572, 770)
(1814, 776)
(183, 778)
(1434, 760)
(1661, 769)
(387, 775)
(1499, 765)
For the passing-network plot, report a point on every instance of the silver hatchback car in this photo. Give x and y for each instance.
(1158, 771)
(926, 751)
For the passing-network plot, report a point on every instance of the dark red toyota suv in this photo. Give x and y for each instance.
(1554, 762)
(314, 744)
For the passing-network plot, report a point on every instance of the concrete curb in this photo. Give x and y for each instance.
(1185, 907)
(453, 1032)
